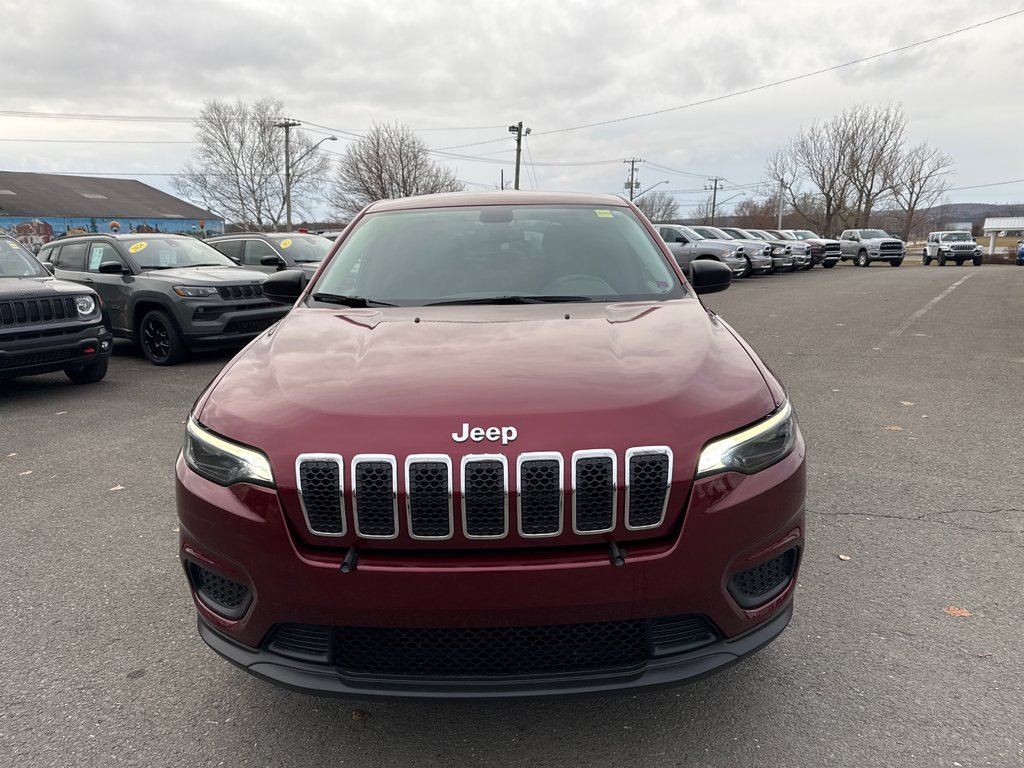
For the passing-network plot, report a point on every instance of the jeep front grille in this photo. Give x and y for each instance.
(240, 291)
(22, 312)
(493, 495)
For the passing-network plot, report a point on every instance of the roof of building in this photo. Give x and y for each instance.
(49, 194)
(1005, 222)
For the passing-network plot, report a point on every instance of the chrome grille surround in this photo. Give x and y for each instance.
(411, 517)
(582, 460)
(300, 485)
(483, 458)
(540, 485)
(651, 450)
(378, 459)
(529, 458)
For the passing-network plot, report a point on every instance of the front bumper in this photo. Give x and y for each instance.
(732, 525)
(230, 326)
(782, 262)
(28, 352)
(654, 673)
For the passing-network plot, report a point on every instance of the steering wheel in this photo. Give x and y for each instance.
(582, 284)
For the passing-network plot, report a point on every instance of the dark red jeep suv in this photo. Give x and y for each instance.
(498, 447)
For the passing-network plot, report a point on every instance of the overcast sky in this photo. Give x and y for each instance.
(459, 72)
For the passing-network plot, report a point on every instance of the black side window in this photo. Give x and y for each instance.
(101, 252)
(230, 248)
(72, 257)
(256, 250)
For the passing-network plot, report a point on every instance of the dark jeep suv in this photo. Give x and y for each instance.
(48, 325)
(271, 251)
(170, 293)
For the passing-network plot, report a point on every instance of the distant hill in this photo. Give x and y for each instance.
(976, 212)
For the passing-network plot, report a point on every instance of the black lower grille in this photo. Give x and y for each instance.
(35, 358)
(594, 498)
(320, 493)
(374, 494)
(430, 500)
(221, 594)
(484, 498)
(761, 583)
(249, 326)
(491, 651)
(540, 497)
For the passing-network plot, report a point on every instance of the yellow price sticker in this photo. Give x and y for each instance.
(286, 243)
(604, 214)
(138, 247)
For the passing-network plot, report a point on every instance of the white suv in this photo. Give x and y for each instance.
(958, 246)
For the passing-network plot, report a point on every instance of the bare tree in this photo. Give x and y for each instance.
(919, 182)
(389, 161)
(873, 153)
(706, 211)
(816, 159)
(756, 214)
(658, 206)
(239, 168)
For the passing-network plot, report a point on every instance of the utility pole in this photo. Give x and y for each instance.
(632, 184)
(782, 186)
(714, 196)
(287, 124)
(517, 129)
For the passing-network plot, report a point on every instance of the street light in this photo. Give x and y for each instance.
(288, 125)
(652, 187)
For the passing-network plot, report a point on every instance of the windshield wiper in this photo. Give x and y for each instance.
(214, 264)
(510, 300)
(350, 301)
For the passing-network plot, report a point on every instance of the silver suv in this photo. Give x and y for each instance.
(169, 293)
(958, 246)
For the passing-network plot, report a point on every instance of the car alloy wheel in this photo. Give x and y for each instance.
(862, 259)
(161, 342)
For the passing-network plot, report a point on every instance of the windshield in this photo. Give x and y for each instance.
(957, 237)
(692, 233)
(714, 233)
(870, 234)
(513, 253)
(173, 252)
(741, 234)
(304, 249)
(805, 234)
(17, 261)
(761, 234)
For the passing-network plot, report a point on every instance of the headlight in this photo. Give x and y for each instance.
(778, 250)
(753, 449)
(195, 291)
(86, 305)
(730, 254)
(223, 461)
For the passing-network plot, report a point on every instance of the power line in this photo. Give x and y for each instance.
(96, 141)
(785, 80)
(993, 184)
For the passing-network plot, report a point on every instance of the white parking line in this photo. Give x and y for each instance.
(897, 332)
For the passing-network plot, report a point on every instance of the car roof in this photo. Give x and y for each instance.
(119, 236)
(496, 197)
(266, 235)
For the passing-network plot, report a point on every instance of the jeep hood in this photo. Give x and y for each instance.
(39, 287)
(566, 377)
(207, 275)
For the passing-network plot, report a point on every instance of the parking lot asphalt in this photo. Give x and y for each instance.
(905, 648)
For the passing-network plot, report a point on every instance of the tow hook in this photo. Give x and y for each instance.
(616, 554)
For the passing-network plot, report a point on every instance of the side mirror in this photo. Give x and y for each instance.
(681, 239)
(273, 261)
(111, 268)
(708, 276)
(284, 287)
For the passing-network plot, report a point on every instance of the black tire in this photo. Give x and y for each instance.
(959, 262)
(828, 264)
(89, 373)
(942, 260)
(863, 260)
(977, 261)
(926, 259)
(747, 270)
(895, 262)
(160, 340)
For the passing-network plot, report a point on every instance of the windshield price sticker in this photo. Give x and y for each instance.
(603, 214)
(286, 243)
(138, 247)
